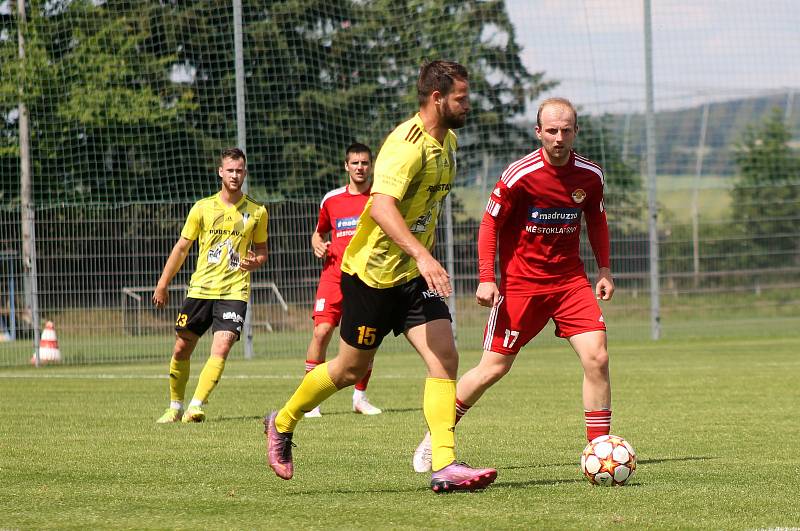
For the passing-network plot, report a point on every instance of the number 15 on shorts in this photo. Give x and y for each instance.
(366, 335)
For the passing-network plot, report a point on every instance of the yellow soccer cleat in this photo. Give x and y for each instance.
(194, 414)
(170, 415)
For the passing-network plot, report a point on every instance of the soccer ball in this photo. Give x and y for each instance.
(608, 460)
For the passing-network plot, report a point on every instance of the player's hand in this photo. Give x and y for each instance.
(160, 297)
(487, 294)
(249, 262)
(321, 249)
(435, 275)
(604, 289)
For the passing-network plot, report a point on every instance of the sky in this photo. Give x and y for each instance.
(703, 50)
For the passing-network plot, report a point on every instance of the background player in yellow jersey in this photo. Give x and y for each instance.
(232, 232)
(391, 282)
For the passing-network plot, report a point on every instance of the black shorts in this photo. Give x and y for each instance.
(369, 314)
(196, 315)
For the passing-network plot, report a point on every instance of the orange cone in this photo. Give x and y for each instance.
(48, 345)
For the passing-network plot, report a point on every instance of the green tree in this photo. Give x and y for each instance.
(623, 193)
(101, 105)
(324, 73)
(766, 197)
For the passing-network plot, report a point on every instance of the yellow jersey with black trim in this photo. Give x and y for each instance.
(418, 171)
(225, 234)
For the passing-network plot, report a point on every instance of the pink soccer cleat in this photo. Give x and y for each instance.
(279, 448)
(460, 476)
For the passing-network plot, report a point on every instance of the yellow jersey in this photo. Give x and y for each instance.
(418, 171)
(225, 234)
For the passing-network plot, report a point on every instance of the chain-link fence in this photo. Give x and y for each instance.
(130, 102)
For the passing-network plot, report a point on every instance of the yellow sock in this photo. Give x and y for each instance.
(439, 406)
(312, 391)
(178, 376)
(209, 378)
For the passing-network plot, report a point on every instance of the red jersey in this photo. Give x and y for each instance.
(338, 214)
(535, 210)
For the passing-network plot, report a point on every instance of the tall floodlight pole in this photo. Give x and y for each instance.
(652, 195)
(241, 143)
(698, 171)
(450, 258)
(27, 211)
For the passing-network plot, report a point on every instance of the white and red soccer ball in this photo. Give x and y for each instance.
(608, 460)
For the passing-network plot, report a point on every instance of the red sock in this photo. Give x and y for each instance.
(310, 364)
(362, 385)
(597, 423)
(461, 409)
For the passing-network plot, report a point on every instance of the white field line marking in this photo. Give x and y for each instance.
(166, 376)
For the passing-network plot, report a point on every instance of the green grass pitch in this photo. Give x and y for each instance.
(714, 422)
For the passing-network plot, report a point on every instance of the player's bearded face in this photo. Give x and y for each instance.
(454, 107)
(232, 172)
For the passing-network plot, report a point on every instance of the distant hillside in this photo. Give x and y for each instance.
(678, 133)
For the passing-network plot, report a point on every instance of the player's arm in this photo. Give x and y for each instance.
(487, 293)
(319, 244)
(174, 263)
(597, 227)
(255, 258)
(385, 213)
(497, 211)
(319, 241)
(257, 254)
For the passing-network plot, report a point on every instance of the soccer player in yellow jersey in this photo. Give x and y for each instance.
(232, 231)
(391, 282)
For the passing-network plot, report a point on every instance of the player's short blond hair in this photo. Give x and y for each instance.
(556, 101)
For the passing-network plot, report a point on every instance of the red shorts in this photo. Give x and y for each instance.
(328, 303)
(517, 319)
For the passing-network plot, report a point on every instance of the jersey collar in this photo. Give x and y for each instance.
(218, 199)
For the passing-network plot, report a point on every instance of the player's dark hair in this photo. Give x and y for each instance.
(439, 75)
(232, 153)
(556, 101)
(357, 147)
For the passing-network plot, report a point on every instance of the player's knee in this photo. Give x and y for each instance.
(184, 345)
(449, 361)
(352, 375)
(597, 361)
(323, 332)
(494, 373)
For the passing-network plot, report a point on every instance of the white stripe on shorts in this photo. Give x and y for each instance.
(487, 341)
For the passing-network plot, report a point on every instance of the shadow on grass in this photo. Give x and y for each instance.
(668, 459)
(324, 414)
(639, 462)
(499, 484)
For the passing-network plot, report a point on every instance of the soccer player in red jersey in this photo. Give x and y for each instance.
(533, 219)
(338, 217)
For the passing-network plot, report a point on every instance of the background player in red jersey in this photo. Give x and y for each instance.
(338, 216)
(534, 213)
